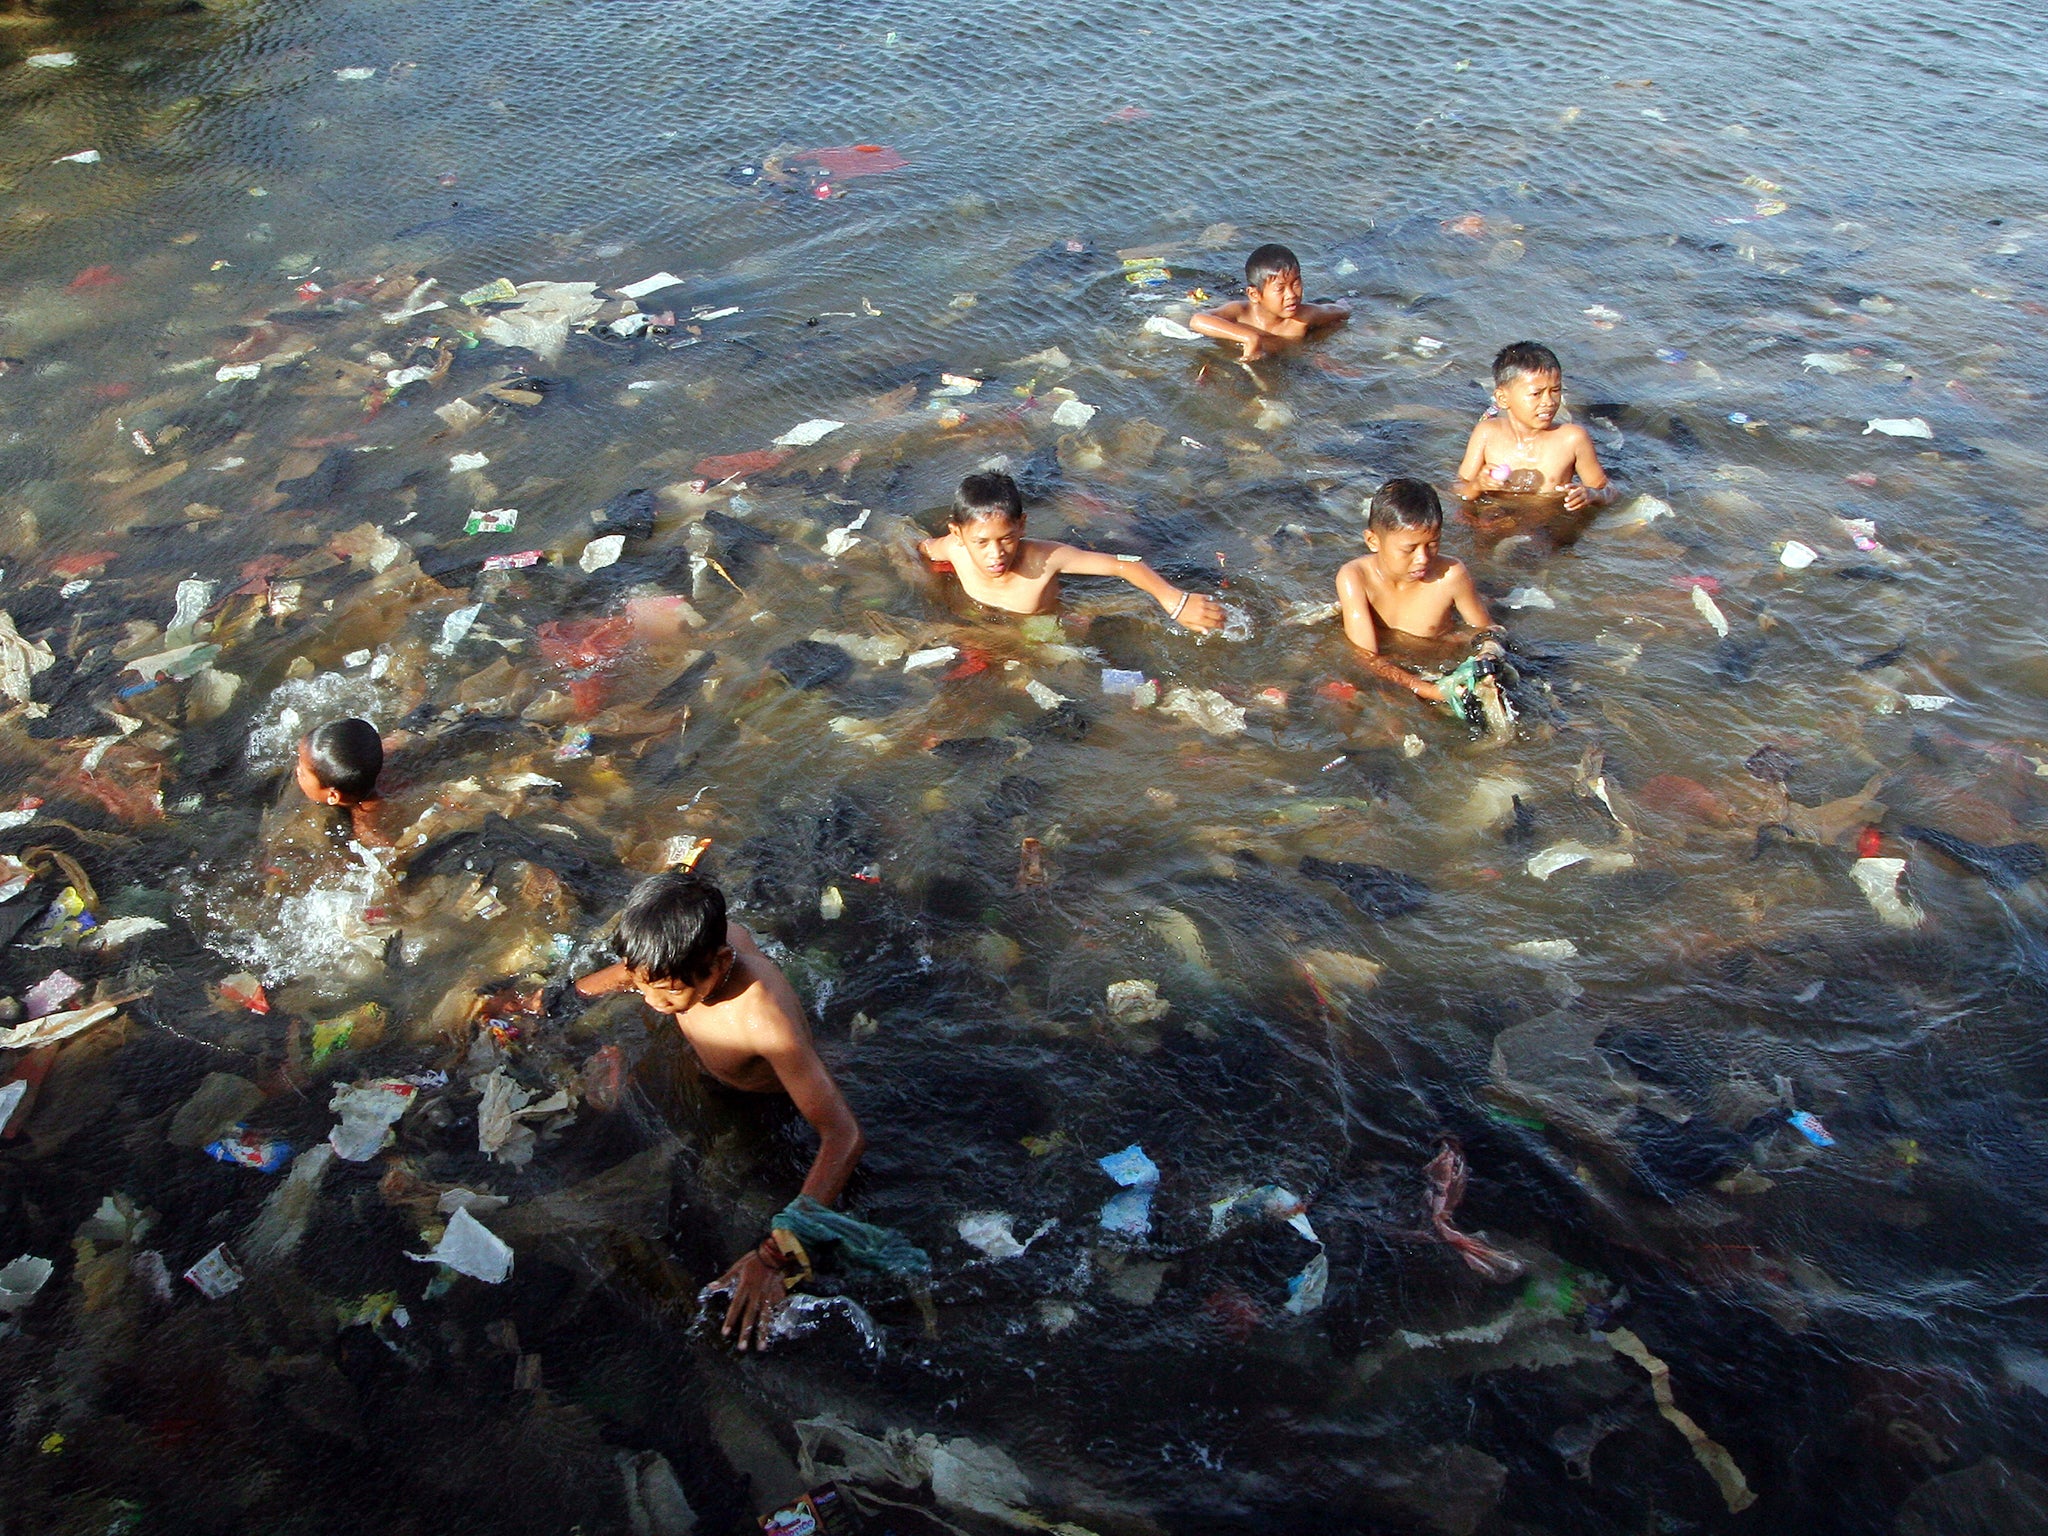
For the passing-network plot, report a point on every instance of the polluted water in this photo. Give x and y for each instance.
(1312, 1112)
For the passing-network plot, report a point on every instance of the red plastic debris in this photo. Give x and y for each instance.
(1337, 691)
(82, 565)
(1864, 478)
(94, 277)
(853, 160)
(970, 662)
(727, 465)
(1869, 843)
(1708, 584)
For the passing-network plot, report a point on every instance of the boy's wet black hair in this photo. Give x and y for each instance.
(1520, 357)
(672, 928)
(1269, 260)
(1405, 504)
(990, 494)
(347, 755)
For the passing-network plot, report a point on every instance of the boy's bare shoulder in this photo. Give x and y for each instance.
(1355, 573)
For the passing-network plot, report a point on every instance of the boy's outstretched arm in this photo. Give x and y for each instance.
(757, 1287)
(1362, 630)
(1224, 325)
(1473, 464)
(1195, 610)
(1325, 317)
(1593, 489)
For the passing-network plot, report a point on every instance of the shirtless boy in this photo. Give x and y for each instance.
(984, 545)
(1271, 315)
(1521, 450)
(747, 1027)
(1401, 586)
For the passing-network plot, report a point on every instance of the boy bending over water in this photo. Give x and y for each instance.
(1521, 450)
(747, 1027)
(984, 545)
(1271, 315)
(1401, 586)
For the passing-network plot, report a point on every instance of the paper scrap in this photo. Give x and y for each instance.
(805, 433)
(648, 285)
(1735, 1489)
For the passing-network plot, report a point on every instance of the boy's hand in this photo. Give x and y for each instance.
(1201, 612)
(1429, 693)
(758, 1295)
(1577, 498)
(1253, 347)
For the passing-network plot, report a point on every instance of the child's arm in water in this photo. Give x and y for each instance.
(1469, 484)
(1323, 317)
(1361, 628)
(1593, 489)
(1195, 610)
(784, 1042)
(1225, 323)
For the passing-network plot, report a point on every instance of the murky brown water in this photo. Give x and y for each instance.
(1749, 231)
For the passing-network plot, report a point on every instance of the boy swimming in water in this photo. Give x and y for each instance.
(1401, 586)
(984, 545)
(1520, 449)
(338, 766)
(1271, 315)
(746, 1025)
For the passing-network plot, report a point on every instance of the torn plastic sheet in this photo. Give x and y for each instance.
(1879, 880)
(20, 1280)
(470, 1248)
(1703, 601)
(989, 1233)
(55, 1027)
(1601, 861)
(1735, 1489)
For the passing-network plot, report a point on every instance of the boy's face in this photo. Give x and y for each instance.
(1532, 399)
(1278, 296)
(674, 997)
(992, 542)
(308, 778)
(1403, 554)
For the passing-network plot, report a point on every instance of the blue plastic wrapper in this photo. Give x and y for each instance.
(1807, 1124)
(249, 1150)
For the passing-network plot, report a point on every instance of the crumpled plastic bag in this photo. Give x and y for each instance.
(500, 1119)
(963, 1474)
(541, 318)
(1206, 708)
(20, 660)
(368, 1111)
